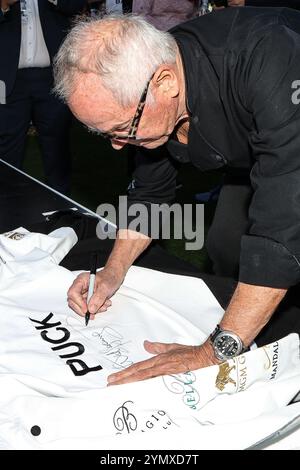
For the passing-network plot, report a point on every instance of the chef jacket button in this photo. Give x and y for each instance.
(35, 430)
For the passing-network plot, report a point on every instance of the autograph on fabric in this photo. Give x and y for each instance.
(109, 342)
(112, 345)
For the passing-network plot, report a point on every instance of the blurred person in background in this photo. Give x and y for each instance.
(31, 32)
(165, 14)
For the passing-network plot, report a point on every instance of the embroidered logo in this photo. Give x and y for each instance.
(223, 378)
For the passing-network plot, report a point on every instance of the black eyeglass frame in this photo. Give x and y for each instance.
(135, 121)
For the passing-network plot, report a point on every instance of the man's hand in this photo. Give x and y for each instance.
(128, 246)
(107, 282)
(236, 3)
(170, 359)
(251, 307)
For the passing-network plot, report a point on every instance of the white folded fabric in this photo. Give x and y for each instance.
(53, 369)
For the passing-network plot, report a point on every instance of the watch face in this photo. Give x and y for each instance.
(226, 346)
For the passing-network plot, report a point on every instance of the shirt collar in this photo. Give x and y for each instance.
(191, 54)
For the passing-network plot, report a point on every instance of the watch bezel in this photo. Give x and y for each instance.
(217, 335)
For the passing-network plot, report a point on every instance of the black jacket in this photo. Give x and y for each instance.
(55, 21)
(240, 66)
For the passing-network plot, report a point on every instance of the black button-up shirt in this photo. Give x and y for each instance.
(240, 68)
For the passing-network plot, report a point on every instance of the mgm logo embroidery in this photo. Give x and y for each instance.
(223, 378)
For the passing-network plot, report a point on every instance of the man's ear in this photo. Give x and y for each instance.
(165, 81)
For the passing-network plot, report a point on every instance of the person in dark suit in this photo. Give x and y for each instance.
(31, 32)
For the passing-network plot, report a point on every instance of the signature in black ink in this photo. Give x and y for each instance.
(113, 346)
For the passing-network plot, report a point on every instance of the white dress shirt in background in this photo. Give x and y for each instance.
(34, 52)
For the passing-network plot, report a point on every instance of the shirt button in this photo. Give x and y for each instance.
(195, 119)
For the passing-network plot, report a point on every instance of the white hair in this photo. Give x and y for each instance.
(124, 51)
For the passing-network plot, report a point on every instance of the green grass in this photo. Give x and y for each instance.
(100, 174)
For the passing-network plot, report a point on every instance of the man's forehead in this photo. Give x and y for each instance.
(95, 106)
(88, 89)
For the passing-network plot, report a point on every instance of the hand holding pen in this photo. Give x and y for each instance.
(93, 271)
(90, 292)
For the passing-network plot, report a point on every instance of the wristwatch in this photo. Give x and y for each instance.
(226, 344)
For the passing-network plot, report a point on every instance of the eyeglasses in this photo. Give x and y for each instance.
(131, 135)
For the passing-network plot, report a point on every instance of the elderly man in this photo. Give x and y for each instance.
(221, 90)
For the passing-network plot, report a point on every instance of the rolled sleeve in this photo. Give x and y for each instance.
(270, 252)
(267, 263)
